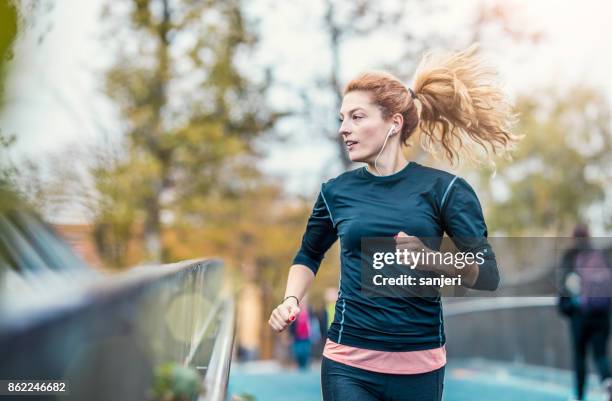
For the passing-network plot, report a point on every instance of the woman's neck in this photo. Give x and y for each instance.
(390, 163)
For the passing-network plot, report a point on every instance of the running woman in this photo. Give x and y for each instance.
(391, 348)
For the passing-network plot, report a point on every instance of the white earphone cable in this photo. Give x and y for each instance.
(381, 149)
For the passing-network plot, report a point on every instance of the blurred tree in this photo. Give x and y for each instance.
(17, 18)
(8, 33)
(191, 115)
(115, 206)
(560, 169)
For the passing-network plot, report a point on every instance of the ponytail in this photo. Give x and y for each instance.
(460, 105)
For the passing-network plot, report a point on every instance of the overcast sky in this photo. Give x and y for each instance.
(52, 94)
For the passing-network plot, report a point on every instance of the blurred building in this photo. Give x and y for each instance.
(80, 239)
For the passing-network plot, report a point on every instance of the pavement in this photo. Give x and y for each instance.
(465, 380)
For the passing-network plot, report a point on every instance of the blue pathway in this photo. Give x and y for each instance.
(471, 380)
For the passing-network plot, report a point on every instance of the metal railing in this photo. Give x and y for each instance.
(108, 335)
(522, 330)
(217, 373)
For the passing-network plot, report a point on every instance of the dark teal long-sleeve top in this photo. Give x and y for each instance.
(418, 200)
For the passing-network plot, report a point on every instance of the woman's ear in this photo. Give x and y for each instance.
(398, 119)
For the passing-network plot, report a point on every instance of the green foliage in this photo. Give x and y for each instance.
(174, 382)
(244, 397)
(115, 179)
(560, 168)
(8, 33)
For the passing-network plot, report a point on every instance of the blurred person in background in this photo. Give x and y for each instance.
(586, 282)
(331, 296)
(392, 348)
(304, 333)
(249, 313)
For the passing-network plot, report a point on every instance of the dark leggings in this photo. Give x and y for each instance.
(340, 382)
(594, 330)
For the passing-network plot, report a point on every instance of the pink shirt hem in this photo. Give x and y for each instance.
(404, 362)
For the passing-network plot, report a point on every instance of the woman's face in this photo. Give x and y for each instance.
(362, 126)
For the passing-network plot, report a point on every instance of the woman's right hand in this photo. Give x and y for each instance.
(284, 314)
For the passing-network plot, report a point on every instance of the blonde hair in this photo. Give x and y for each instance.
(458, 105)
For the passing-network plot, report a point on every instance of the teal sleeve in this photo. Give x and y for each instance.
(319, 236)
(464, 222)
